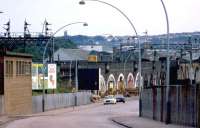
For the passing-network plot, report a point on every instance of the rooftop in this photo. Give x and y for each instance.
(70, 54)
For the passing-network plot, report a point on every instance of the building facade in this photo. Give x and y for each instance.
(15, 83)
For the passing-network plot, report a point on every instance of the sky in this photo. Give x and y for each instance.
(146, 15)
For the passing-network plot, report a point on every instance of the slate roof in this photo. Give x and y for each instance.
(70, 54)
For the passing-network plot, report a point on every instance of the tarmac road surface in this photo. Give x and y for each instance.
(88, 116)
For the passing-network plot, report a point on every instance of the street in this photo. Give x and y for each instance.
(88, 116)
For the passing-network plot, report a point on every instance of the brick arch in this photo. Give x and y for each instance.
(102, 85)
(130, 81)
(110, 78)
(118, 79)
(137, 79)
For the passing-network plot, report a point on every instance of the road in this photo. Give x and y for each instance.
(89, 116)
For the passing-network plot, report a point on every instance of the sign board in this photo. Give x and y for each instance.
(52, 76)
(37, 77)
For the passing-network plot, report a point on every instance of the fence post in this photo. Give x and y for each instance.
(198, 106)
(168, 108)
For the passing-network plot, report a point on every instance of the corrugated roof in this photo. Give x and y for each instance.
(70, 54)
(8, 53)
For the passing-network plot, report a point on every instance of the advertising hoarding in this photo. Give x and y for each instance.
(52, 76)
(37, 77)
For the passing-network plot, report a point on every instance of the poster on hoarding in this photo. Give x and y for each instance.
(37, 77)
(52, 78)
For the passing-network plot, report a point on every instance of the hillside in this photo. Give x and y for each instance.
(72, 41)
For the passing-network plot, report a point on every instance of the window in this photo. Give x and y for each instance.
(9, 68)
(20, 68)
(23, 68)
(27, 68)
(17, 67)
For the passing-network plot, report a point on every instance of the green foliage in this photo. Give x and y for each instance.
(61, 42)
(37, 48)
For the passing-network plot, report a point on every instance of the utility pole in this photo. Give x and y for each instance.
(76, 101)
(191, 72)
(198, 105)
(7, 29)
(26, 34)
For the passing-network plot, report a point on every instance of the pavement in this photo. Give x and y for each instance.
(141, 122)
(128, 120)
(6, 119)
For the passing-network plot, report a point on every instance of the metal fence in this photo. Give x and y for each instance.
(183, 104)
(54, 101)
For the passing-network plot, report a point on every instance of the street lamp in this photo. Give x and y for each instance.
(168, 65)
(82, 2)
(84, 24)
(126, 59)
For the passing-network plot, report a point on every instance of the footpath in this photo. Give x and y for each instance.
(140, 122)
(5, 119)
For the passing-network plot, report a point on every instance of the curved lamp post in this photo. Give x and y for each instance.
(168, 59)
(82, 2)
(168, 65)
(125, 61)
(84, 24)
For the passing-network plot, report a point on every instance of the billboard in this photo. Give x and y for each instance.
(37, 77)
(52, 76)
(88, 79)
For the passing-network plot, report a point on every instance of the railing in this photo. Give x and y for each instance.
(55, 101)
(21, 34)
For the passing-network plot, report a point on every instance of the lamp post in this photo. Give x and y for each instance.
(43, 88)
(126, 59)
(168, 66)
(82, 2)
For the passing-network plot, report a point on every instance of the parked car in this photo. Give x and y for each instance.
(110, 99)
(120, 98)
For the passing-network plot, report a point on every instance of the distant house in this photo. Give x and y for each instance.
(97, 48)
(95, 56)
(67, 55)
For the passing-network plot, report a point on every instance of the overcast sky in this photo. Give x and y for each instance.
(184, 16)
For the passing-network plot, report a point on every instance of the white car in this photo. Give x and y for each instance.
(110, 99)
